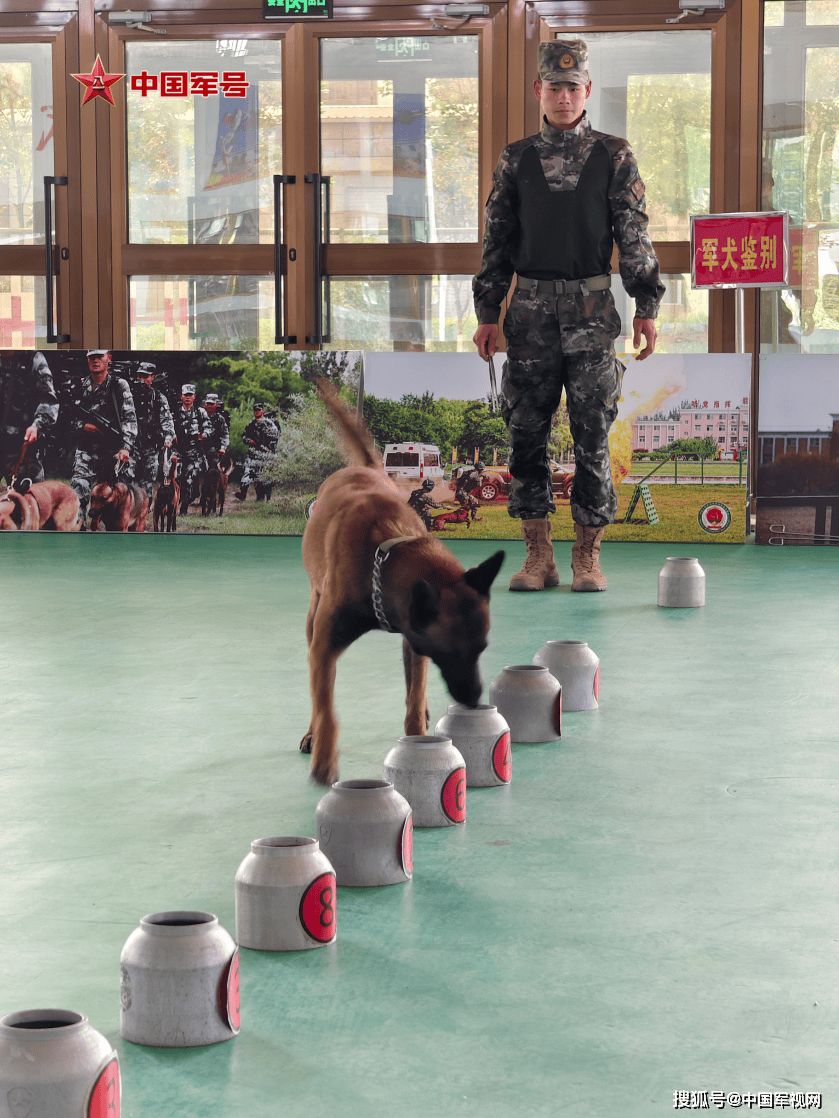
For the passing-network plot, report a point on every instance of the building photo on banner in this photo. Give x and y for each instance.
(679, 447)
(797, 485)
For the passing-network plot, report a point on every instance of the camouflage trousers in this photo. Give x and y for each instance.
(556, 342)
(255, 463)
(148, 470)
(88, 469)
(189, 478)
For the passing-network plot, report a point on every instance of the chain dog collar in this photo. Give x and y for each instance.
(382, 552)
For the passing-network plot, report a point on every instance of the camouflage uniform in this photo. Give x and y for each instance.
(219, 440)
(189, 424)
(27, 399)
(421, 501)
(557, 340)
(155, 424)
(113, 403)
(261, 438)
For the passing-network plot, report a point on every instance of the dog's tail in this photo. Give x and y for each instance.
(357, 439)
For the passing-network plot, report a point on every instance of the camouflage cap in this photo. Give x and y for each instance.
(146, 369)
(187, 389)
(211, 398)
(97, 352)
(259, 407)
(564, 60)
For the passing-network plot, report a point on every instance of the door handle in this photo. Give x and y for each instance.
(321, 184)
(52, 326)
(280, 262)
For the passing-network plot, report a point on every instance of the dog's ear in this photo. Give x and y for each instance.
(425, 605)
(19, 512)
(480, 578)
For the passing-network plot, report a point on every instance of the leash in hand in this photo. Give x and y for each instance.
(493, 388)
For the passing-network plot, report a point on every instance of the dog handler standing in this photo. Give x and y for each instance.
(559, 201)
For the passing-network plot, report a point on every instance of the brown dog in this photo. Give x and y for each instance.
(18, 512)
(456, 516)
(214, 486)
(120, 506)
(167, 498)
(58, 506)
(422, 591)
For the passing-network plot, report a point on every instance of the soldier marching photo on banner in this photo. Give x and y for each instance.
(114, 429)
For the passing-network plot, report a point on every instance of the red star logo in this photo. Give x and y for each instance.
(98, 83)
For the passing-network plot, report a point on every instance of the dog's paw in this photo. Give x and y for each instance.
(325, 777)
(306, 744)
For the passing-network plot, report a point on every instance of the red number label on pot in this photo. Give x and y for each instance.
(558, 713)
(597, 684)
(502, 761)
(104, 1098)
(453, 796)
(408, 846)
(234, 1015)
(317, 909)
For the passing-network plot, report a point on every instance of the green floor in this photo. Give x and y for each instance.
(651, 906)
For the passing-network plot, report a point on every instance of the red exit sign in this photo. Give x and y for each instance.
(740, 250)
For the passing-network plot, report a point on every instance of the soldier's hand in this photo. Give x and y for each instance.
(91, 429)
(486, 339)
(31, 435)
(644, 327)
(122, 455)
(168, 444)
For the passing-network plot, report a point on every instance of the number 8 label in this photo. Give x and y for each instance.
(317, 909)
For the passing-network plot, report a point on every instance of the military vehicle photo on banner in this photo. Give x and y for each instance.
(679, 447)
(189, 442)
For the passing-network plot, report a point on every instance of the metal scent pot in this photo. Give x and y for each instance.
(285, 896)
(681, 583)
(529, 698)
(180, 981)
(366, 831)
(430, 773)
(53, 1064)
(482, 736)
(578, 670)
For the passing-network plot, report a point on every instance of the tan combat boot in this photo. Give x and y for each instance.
(539, 570)
(584, 559)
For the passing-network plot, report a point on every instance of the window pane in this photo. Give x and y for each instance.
(23, 312)
(432, 313)
(654, 89)
(26, 140)
(801, 174)
(401, 144)
(682, 318)
(200, 167)
(201, 312)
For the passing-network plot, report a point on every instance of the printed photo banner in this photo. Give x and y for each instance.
(797, 485)
(184, 417)
(679, 446)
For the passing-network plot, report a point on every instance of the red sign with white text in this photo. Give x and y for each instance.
(740, 250)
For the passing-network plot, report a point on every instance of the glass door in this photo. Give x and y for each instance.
(296, 185)
(34, 195)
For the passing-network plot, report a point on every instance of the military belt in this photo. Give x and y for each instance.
(564, 287)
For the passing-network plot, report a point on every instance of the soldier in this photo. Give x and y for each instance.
(192, 430)
(469, 477)
(28, 409)
(260, 437)
(421, 501)
(219, 440)
(559, 200)
(105, 428)
(155, 426)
